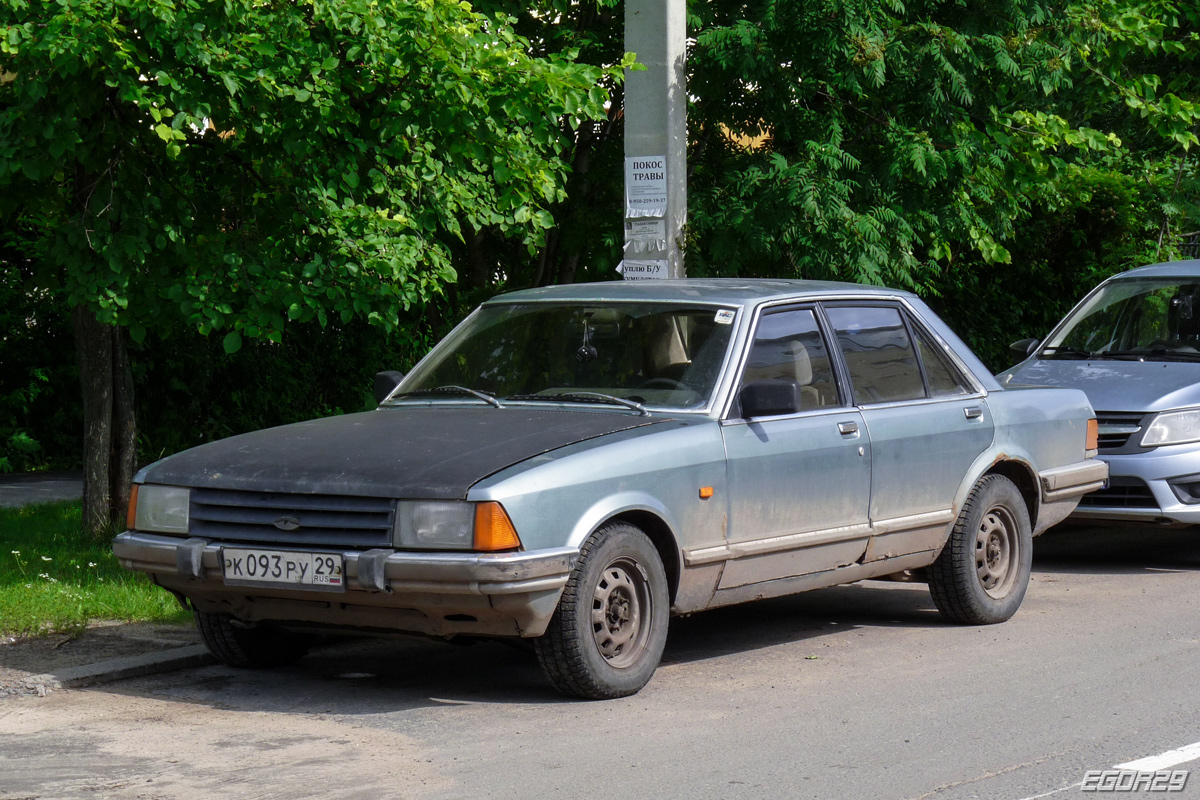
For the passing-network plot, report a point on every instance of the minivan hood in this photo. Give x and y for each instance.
(1115, 385)
(434, 452)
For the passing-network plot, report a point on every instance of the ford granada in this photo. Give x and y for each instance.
(575, 464)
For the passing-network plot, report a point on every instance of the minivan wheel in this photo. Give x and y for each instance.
(249, 647)
(981, 576)
(608, 633)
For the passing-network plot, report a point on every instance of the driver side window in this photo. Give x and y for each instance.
(788, 346)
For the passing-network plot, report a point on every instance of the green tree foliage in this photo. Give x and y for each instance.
(245, 164)
(970, 151)
(908, 138)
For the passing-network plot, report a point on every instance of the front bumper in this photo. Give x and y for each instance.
(1141, 488)
(490, 594)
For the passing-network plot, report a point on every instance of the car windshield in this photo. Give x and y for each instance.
(656, 354)
(1142, 317)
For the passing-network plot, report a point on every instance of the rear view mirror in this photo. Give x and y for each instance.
(770, 398)
(1024, 348)
(385, 382)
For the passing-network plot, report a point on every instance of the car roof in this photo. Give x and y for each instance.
(1168, 269)
(725, 291)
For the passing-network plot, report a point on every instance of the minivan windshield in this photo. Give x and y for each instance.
(626, 354)
(1156, 318)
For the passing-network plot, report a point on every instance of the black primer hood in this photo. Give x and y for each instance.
(405, 452)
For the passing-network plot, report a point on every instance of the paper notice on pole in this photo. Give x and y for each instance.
(645, 234)
(645, 186)
(643, 270)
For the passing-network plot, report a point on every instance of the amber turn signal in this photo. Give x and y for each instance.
(493, 529)
(131, 514)
(1093, 435)
(706, 492)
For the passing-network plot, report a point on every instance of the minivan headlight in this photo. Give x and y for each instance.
(1173, 427)
(162, 509)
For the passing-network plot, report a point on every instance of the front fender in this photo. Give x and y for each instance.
(608, 507)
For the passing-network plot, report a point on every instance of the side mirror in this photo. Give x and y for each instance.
(385, 382)
(770, 398)
(1024, 348)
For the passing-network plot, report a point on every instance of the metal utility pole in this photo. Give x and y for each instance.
(655, 140)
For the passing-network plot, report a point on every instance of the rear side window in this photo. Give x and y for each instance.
(943, 378)
(878, 352)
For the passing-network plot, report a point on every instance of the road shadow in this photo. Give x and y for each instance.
(349, 676)
(752, 626)
(1112, 550)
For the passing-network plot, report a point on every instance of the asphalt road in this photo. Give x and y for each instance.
(853, 692)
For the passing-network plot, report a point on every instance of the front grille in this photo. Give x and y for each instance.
(1116, 428)
(327, 520)
(1122, 492)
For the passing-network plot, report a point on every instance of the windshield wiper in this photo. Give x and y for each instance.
(585, 397)
(1155, 352)
(1067, 350)
(452, 389)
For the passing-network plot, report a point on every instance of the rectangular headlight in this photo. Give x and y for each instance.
(1173, 427)
(163, 509)
(435, 524)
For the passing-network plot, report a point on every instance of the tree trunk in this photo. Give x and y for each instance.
(477, 265)
(109, 430)
(123, 441)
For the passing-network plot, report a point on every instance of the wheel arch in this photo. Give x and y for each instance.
(1022, 476)
(1010, 463)
(663, 539)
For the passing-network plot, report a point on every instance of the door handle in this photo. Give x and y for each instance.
(847, 428)
(974, 412)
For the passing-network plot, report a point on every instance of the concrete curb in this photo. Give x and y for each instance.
(116, 669)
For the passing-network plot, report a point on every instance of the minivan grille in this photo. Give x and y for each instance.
(1116, 427)
(1122, 492)
(320, 519)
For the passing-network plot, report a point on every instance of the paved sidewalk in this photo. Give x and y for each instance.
(23, 488)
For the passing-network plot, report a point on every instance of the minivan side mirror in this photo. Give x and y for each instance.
(385, 382)
(769, 398)
(1024, 348)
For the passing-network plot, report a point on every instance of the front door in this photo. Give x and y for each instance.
(799, 484)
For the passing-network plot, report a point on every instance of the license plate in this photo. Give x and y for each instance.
(249, 567)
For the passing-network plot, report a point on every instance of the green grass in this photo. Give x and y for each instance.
(54, 578)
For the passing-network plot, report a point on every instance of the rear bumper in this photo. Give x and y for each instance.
(1073, 480)
(491, 594)
(1062, 487)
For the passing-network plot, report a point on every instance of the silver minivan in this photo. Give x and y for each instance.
(1133, 345)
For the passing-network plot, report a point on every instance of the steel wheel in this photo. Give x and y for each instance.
(622, 594)
(607, 635)
(982, 573)
(997, 549)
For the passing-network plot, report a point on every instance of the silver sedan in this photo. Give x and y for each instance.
(575, 464)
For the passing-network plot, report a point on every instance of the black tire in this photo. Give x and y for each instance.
(981, 576)
(249, 647)
(607, 635)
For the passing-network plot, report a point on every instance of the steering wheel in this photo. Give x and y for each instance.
(663, 383)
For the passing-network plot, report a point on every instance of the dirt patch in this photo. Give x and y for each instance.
(82, 745)
(21, 659)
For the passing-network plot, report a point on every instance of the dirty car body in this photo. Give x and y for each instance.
(573, 464)
(1133, 345)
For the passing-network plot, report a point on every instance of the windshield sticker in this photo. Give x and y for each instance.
(724, 317)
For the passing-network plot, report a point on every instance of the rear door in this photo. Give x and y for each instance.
(926, 420)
